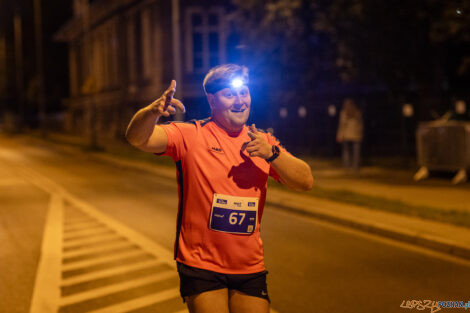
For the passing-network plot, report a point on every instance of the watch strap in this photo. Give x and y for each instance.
(276, 151)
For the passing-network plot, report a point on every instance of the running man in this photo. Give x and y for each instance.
(222, 169)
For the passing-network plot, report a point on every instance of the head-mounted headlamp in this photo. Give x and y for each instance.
(234, 83)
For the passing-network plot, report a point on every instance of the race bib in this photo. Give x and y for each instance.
(235, 215)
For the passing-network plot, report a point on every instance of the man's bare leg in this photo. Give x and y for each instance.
(243, 303)
(214, 301)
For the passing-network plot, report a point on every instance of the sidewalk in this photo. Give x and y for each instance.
(388, 183)
(396, 184)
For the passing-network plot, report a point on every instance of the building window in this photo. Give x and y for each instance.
(205, 39)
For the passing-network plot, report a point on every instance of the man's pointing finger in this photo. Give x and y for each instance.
(170, 92)
(254, 129)
(252, 135)
(178, 104)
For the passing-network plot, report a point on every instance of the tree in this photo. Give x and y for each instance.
(401, 44)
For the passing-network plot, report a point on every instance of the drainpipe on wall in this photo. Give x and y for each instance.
(175, 19)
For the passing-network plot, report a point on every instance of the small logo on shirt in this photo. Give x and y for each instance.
(264, 293)
(221, 201)
(215, 149)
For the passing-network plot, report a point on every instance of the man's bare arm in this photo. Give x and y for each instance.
(143, 133)
(293, 172)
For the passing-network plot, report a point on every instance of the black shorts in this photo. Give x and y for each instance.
(194, 281)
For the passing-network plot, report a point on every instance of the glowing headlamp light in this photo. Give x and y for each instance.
(236, 83)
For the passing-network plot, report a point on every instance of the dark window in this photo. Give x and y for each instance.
(213, 19)
(213, 42)
(197, 61)
(204, 36)
(196, 20)
(197, 42)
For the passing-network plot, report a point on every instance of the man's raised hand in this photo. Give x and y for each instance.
(166, 104)
(258, 146)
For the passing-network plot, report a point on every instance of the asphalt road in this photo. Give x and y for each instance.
(313, 266)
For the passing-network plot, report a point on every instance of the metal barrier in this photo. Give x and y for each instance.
(443, 146)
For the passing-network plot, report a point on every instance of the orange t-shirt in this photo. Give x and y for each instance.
(209, 161)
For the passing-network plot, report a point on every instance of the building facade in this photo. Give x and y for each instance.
(124, 53)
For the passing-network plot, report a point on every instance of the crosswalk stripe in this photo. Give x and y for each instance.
(68, 222)
(87, 263)
(95, 293)
(111, 245)
(85, 241)
(76, 227)
(86, 232)
(134, 236)
(76, 230)
(95, 236)
(104, 252)
(87, 236)
(140, 302)
(108, 272)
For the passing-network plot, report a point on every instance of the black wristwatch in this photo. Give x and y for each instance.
(276, 152)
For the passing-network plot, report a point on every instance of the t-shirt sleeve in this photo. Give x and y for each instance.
(274, 141)
(180, 135)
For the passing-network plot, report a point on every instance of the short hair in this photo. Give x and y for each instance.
(220, 77)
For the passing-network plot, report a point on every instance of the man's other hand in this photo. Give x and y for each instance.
(166, 105)
(258, 146)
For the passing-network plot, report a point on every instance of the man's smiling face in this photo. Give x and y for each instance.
(231, 107)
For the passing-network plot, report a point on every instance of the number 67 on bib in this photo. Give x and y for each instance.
(235, 215)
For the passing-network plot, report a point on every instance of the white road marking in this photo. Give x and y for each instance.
(46, 292)
(86, 241)
(145, 243)
(111, 245)
(85, 232)
(140, 302)
(108, 272)
(105, 258)
(78, 230)
(98, 292)
(77, 221)
(79, 226)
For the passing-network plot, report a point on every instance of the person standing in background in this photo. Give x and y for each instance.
(350, 133)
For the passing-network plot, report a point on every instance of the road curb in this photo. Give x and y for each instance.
(427, 241)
